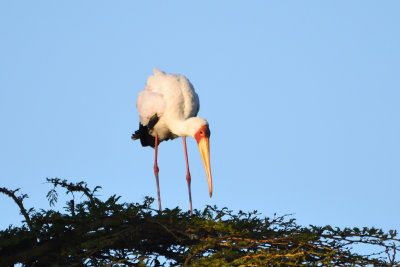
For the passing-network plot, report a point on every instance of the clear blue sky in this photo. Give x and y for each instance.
(302, 98)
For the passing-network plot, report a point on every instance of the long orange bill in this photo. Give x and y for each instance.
(204, 147)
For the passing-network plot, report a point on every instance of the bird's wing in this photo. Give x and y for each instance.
(149, 103)
(194, 106)
(146, 139)
(177, 91)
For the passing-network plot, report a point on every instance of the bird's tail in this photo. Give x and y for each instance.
(136, 135)
(143, 134)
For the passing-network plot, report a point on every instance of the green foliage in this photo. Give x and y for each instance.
(110, 233)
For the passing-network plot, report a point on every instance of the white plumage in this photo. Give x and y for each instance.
(172, 98)
(167, 109)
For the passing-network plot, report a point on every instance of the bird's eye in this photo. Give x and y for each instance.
(202, 133)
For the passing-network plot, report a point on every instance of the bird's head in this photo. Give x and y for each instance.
(202, 137)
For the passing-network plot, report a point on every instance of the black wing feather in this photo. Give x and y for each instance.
(146, 139)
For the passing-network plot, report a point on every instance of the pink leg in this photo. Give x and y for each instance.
(188, 179)
(156, 174)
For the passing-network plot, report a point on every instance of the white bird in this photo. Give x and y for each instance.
(167, 109)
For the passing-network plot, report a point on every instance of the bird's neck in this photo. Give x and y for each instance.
(187, 127)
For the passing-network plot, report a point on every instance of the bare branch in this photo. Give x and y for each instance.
(19, 201)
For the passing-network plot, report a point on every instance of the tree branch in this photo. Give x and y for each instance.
(18, 200)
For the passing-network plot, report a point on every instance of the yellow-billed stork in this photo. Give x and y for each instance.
(167, 109)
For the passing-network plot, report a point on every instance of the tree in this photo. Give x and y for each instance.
(110, 233)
